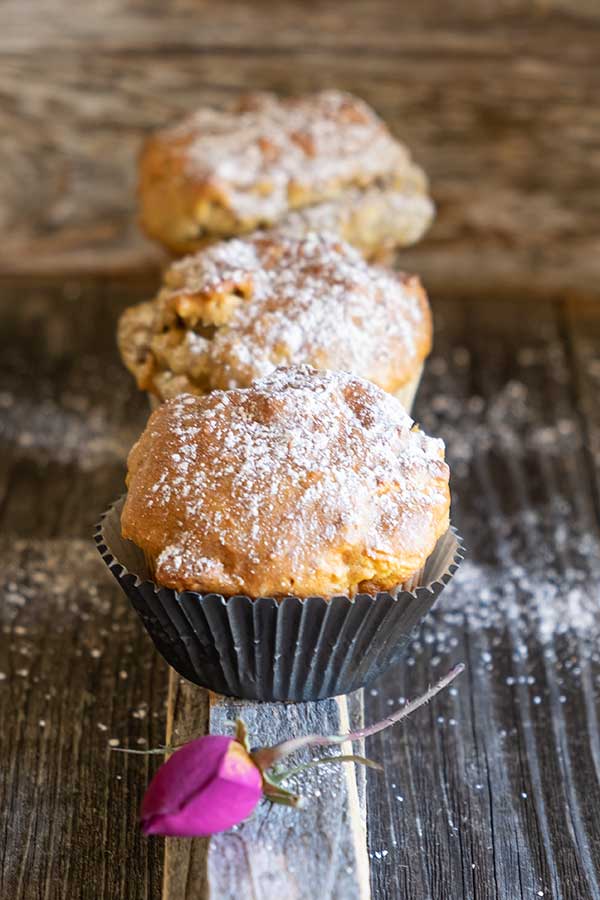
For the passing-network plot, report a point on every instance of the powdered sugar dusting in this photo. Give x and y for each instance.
(234, 262)
(532, 589)
(269, 154)
(283, 300)
(305, 483)
(382, 216)
(533, 562)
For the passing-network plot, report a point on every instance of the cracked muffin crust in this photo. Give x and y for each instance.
(221, 173)
(306, 483)
(237, 310)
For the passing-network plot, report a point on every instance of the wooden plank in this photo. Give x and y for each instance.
(493, 791)
(320, 850)
(185, 861)
(76, 669)
(499, 778)
(582, 331)
(117, 27)
(65, 435)
(480, 96)
(77, 672)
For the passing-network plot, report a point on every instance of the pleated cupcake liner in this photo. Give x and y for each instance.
(290, 649)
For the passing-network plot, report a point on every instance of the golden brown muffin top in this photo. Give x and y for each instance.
(306, 483)
(236, 310)
(266, 154)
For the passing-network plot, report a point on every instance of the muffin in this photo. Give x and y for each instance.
(376, 220)
(306, 483)
(237, 310)
(282, 541)
(223, 173)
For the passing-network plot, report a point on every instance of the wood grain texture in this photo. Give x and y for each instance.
(491, 791)
(582, 331)
(76, 671)
(186, 861)
(496, 100)
(119, 26)
(297, 854)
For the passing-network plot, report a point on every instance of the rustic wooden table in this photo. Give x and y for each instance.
(493, 790)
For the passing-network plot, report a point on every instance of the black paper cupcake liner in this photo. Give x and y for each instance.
(265, 649)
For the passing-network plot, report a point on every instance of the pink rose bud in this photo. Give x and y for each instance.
(206, 786)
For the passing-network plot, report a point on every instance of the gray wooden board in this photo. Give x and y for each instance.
(490, 792)
(297, 854)
(77, 671)
(493, 791)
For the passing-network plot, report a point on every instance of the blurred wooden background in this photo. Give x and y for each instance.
(497, 98)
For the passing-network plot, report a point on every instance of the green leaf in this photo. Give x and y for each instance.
(277, 794)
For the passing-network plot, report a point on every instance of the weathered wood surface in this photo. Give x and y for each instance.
(498, 784)
(76, 671)
(186, 861)
(497, 101)
(490, 792)
(321, 850)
